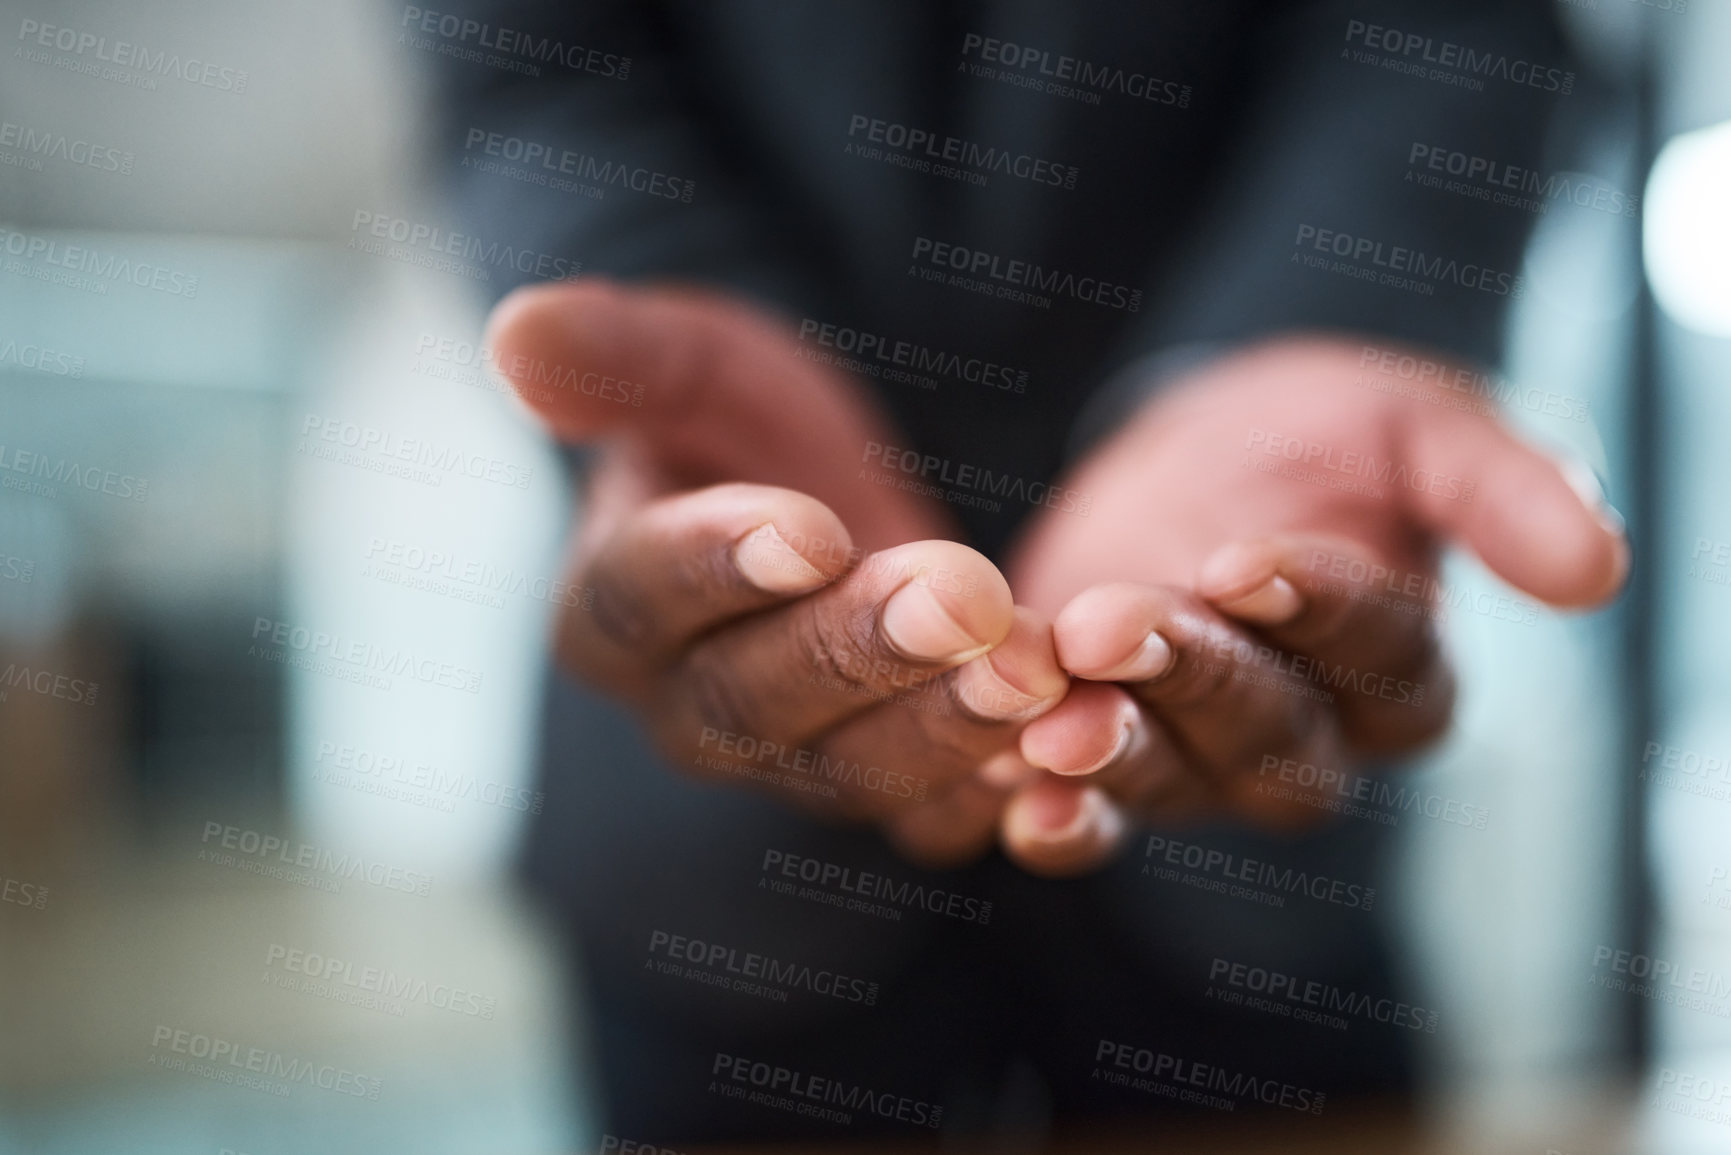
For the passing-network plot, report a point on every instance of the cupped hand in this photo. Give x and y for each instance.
(772, 620)
(1253, 590)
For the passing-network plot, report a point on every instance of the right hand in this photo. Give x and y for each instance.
(730, 606)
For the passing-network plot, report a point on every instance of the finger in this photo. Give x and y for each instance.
(1119, 745)
(682, 565)
(896, 622)
(953, 830)
(1544, 530)
(1062, 828)
(1370, 640)
(1225, 697)
(715, 386)
(960, 826)
(967, 717)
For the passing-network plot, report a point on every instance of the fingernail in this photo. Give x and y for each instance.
(1056, 814)
(770, 564)
(917, 624)
(1272, 603)
(1007, 771)
(985, 691)
(1063, 816)
(1125, 732)
(1127, 720)
(1150, 659)
(1585, 483)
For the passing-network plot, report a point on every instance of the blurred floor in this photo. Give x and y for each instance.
(127, 949)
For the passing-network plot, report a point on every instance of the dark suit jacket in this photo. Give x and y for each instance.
(1159, 163)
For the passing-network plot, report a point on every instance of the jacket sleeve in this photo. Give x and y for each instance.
(580, 128)
(1333, 214)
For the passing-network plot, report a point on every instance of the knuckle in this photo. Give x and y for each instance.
(1200, 676)
(619, 611)
(577, 651)
(945, 749)
(837, 647)
(710, 693)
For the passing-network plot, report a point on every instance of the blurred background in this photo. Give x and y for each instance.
(267, 686)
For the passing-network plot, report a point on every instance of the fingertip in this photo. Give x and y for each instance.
(1590, 571)
(1019, 678)
(1060, 829)
(952, 603)
(1567, 547)
(546, 340)
(1107, 633)
(1538, 522)
(796, 543)
(1236, 568)
(1086, 732)
(1242, 579)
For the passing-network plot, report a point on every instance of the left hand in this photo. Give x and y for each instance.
(1255, 579)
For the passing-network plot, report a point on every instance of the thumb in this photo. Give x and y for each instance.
(1533, 521)
(709, 387)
